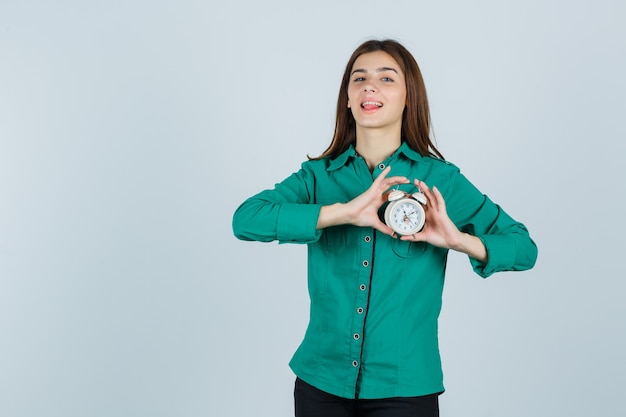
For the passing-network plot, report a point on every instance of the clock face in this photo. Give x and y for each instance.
(405, 216)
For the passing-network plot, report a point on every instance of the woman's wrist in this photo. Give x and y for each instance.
(333, 215)
(471, 246)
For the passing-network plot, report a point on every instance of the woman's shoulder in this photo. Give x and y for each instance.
(430, 162)
(441, 165)
(318, 164)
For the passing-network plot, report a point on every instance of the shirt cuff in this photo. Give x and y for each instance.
(501, 252)
(297, 223)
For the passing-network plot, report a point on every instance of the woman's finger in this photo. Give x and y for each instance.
(385, 182)
(391, 181)
(382, 227)
(381, 177)
(441, 202)
(432, 199)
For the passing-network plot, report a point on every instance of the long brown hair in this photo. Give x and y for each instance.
(416, 117)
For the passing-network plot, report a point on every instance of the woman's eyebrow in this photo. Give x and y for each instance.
(381, 69)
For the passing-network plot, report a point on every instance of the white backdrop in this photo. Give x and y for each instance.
(130, 131)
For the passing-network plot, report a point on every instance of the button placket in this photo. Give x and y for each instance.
(362, 299)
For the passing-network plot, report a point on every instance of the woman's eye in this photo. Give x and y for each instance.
(359, 79)
(387, 79)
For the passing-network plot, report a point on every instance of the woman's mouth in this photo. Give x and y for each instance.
(371, 105)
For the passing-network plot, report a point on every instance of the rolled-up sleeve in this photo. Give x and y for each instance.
(507, 241)
(297, 223)
(511, 251)
(285, 213)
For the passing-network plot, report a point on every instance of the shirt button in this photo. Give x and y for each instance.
(359, 310)
(366, 263)
(355, 363)
(381, 166)
(356, 336)
(368, 239)
(362, 287)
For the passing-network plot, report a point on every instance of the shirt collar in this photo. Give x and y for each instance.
(406, 150)
(342, 159)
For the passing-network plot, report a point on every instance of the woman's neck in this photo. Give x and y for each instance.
(374, 148)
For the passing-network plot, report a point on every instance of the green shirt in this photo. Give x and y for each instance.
(375, 300)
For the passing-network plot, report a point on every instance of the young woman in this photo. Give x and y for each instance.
(371, 346)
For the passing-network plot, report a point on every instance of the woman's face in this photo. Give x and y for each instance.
(377, 91)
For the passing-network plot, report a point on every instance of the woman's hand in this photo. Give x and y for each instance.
(440, 231)
(363, 210)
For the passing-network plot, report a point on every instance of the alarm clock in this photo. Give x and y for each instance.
(405, 213)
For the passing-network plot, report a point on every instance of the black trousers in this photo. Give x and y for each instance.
(312, 402)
